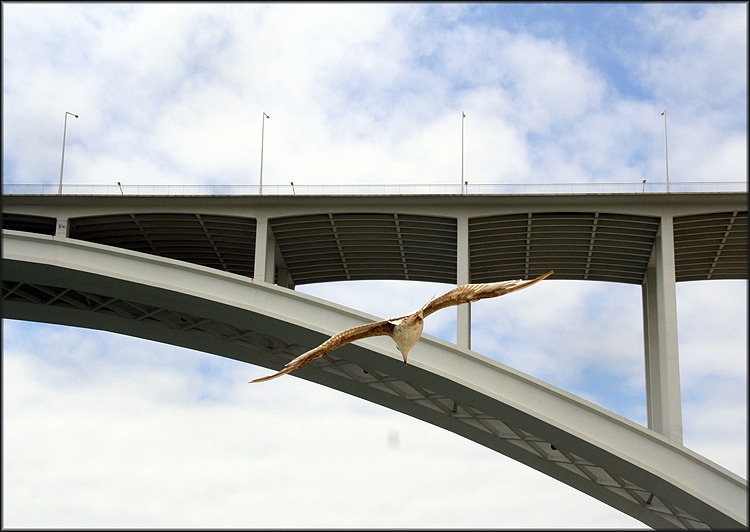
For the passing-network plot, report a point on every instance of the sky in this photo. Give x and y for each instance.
(108, 430)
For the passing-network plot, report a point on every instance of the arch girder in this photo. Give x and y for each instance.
(608, 457)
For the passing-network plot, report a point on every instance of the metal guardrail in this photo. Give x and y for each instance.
(385, 189)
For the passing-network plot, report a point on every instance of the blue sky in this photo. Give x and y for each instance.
(359, 94)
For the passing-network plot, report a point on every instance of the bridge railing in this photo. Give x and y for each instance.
(381, 189)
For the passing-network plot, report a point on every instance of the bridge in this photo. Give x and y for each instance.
(216, 274)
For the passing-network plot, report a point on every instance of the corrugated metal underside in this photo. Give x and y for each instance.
(581, 246)
(711, 246)
(347, 247)
(223, 242)
(366, 246)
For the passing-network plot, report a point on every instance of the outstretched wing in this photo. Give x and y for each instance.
(474, 292)
(379, 328)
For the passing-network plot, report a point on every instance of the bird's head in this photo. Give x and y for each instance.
(416, 320)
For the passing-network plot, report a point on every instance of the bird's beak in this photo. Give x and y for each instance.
(405, 355)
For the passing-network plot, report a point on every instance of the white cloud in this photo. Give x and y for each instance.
(134, 447)
(557, 331)
(698, 62)
(712, 348)
(694, 62)
(122, 422)
(353, 98)
(716, 426)
(98, 425)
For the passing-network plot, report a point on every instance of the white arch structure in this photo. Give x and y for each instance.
(631, 468)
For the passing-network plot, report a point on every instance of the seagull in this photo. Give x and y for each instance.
(406, 330)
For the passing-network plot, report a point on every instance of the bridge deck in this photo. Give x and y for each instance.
(322, 238)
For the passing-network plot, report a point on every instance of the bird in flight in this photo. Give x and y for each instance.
(406, 330)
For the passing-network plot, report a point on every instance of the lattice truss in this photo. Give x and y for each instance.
(275, 349)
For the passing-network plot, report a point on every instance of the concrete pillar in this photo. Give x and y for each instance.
(265, 252)
(663, 400)
(61, 230)
(463, 335)
(284, 278)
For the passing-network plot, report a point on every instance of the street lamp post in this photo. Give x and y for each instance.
(666, 150)
(62, 161)
(463, 115)
(262, 136)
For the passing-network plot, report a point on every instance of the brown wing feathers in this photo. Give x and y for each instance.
(468, 293)
(462, 294)
(379, 328)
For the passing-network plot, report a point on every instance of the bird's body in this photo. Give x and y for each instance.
(406, 330)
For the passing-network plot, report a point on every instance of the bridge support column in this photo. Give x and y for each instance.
(284, 278)
(61, 229)
(663, 400)
(265, 252)
(463, 335)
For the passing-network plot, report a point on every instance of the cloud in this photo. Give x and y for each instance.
(711, 346)
(104, 429)
(119, 449)
(707, 116)
(702, 46)
(352, 98)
